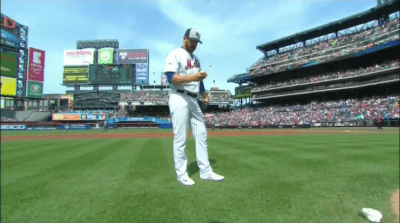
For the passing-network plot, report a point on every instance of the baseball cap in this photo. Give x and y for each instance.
(193, 35)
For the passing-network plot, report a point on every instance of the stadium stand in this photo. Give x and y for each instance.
(394, 64)
(344, 71)
(330, 49)
(156, 96)
(341, 110)
(38, 117)
(22, 115)
(220, 96)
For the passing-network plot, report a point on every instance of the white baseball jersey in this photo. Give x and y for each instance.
(183, 63)
(185, 110)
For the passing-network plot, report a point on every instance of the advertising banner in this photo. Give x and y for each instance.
(132, 56)
(10, 25)
(78, 57)
(111, 74)
(379, 47)
(76, 74)
(8, 86)
(13, 127)
(34, 89)
(9, 64)
(73, 127)
(65, 117)
(93, 117)
(42, 128)
(36, 65)
(106, 56)
(8, 39)
(141, 74)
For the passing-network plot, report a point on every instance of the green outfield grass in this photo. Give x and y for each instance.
(65, 132)
(58, 132)
(291, 178)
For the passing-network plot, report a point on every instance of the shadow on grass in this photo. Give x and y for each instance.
(361, 215)
(192, 167)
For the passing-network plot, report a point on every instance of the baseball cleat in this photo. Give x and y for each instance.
(186, 181)
(212, 177)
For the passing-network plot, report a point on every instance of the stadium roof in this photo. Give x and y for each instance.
(333, 27)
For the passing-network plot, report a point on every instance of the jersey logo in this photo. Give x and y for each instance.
(190, 66)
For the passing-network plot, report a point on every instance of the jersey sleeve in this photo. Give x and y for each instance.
(171, 64)
(202, 89)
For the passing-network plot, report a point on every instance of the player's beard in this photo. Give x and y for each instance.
(189, 48)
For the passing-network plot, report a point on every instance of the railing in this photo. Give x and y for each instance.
(328, 81)
(309, 91)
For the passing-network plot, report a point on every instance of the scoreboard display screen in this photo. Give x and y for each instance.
(111, 74)
(75, 74)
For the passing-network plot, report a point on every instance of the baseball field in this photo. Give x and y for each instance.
(317, 175)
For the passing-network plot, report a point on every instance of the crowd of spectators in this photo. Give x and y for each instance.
(220, 96)
(329, 49)
(119, 114)
(146, 96)
(5, 119)
(391, 77)
(329, 111)
(162, 97)
(156, 96)
(331, 75)
(161, 115)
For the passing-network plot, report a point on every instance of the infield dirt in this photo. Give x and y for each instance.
(395, 202)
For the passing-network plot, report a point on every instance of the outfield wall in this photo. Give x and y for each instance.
(29, 126)
(42, 126)
(366, 123)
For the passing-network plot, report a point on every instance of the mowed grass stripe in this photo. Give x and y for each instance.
(22, 193)
(85, 197)
(70, 132)
(13, 149)
(150, 185)
(41, 152)
(25, 169)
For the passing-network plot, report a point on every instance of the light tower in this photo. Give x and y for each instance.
(212, 74)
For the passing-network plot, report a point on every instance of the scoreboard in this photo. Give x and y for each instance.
(116, 74)
(75, 74)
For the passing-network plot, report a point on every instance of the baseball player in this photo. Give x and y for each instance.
(183, 72)
(213, 124)
(105, 125)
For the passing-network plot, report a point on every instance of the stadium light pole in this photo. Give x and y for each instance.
(212, 74)
(154, 78)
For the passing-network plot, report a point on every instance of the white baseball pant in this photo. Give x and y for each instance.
(183, 109)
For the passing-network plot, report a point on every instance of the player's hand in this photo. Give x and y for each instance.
(199, 76)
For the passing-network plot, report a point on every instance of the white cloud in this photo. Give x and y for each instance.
(230, 41)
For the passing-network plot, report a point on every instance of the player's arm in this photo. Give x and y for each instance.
(171, 71)
(204, 94)
(175, 78)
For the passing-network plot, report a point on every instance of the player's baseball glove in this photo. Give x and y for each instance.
(202, 105)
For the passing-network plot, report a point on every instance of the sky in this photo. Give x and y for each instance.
(230, 30)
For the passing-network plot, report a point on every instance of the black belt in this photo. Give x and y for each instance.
(193, 95)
